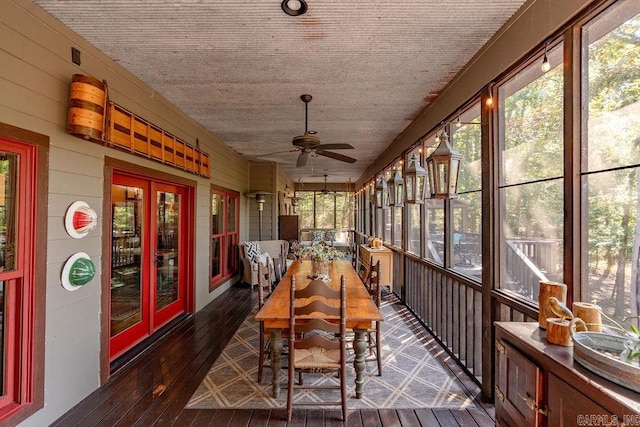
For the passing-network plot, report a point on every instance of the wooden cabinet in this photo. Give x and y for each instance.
(567, 405)
(289, 227)
(385, 256)
(518, 384)
(538, 384)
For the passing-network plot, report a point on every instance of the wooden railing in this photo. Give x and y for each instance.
(527, 262)
(450, 307)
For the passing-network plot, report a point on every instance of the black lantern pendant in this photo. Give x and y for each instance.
(415, 177)
(381, 193)
(443, 167)
(395, 187)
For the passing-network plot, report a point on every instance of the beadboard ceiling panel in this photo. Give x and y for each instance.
(239, 67)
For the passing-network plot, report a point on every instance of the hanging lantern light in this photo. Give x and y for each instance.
(395, 188)
(443, 166)
(381, 193)
(415, 177)
(294, 204)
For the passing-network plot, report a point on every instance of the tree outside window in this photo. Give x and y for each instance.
(332, 210)
(531, 172)
(611, 161)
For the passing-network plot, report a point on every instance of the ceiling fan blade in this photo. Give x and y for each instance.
(336, 156)
(276, 152)
(335, 147)
(302, 159)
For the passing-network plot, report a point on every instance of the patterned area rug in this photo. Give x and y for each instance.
(413, 377)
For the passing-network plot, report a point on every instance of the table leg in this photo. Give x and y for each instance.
(359, 346)
(276, 360)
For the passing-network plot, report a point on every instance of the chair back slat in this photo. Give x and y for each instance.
(264, 284)
(317, 287)
(317, 341)
(331, 326)
(318, 306)
(331, 319)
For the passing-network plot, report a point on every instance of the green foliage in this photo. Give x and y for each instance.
(4, 166)
(319, 251)
(533, 130)
(614, 68)
(328, 211)
(612, 150)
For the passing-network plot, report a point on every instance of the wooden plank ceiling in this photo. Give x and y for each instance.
(239, 67)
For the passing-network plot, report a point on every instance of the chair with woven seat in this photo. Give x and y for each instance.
(373, 334)
(317, 342)
(264, 291)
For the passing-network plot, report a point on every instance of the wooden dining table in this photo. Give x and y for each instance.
(361, 313)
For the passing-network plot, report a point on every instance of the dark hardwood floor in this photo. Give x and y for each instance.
(153, 388)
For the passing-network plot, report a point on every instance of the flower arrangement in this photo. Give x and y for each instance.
(318, 252)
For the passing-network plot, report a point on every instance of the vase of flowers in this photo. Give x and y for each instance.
(320, 268)
(320, 254)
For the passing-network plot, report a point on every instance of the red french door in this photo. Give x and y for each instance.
(148, 286)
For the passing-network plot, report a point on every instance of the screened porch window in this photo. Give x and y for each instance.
(467, 208)
(611, 161)
(333, 210)
(531, 169)
(414, 213)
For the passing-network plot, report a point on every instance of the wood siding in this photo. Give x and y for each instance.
(35, 50)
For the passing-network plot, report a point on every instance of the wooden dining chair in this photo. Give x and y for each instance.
(373, 334)
(317, 341)
(355, 255)
(363, 271)
(264, 291)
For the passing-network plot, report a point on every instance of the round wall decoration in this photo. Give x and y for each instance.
(77, 271)
(80, 219)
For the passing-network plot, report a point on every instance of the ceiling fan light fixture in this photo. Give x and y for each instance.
(294, 7)
(309, 144)
(306, 140)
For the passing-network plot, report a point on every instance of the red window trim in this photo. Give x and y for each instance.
(225, 272)
(28, 387)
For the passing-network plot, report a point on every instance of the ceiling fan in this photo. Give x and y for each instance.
(309, 143)
(324, 190)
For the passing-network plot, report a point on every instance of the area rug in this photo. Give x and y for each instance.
(413, 377)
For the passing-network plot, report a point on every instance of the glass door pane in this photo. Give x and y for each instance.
(3, 328)
(231, 214)
(8, 210)
(126, 257)
(215, 257)
(167, 248)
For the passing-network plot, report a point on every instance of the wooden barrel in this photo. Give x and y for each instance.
(87, 104)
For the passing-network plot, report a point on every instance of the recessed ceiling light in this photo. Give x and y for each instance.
(294, 7)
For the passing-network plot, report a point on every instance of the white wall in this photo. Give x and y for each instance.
(35, 74)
